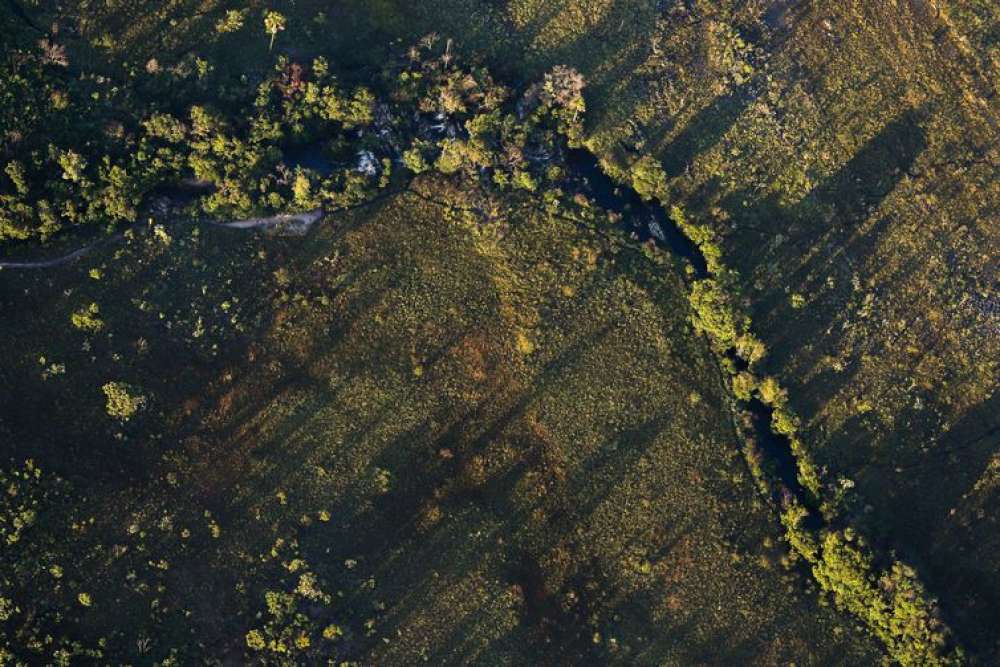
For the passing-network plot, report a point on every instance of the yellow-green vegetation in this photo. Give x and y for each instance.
(495, 506)
(123, 402)
(895, 605)
(834, 162)
(88, 318)
(844, 153)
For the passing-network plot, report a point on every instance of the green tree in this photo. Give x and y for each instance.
(648, 178)
(715, 314)
(123, 401)
(88, 319)
(231, 22)
(274, 22)
(73, 165)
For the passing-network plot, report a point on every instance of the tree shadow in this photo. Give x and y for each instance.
(928, 513)
(823, 236)
(705, 129)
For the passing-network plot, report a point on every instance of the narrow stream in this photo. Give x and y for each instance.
(649, 221)
(645, 221)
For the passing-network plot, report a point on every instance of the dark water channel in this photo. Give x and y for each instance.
(649, 221)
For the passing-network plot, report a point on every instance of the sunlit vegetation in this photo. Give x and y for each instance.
(123, 402)
(465, 417)
(790, 131)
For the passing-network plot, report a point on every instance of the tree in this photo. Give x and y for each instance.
(648, 178)
(563, 86)
(73, 165)
(88, 319)
(274, 22)
(122, 400)
(715, 314)
(231, 22)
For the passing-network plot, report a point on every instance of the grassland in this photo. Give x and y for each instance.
(489, 444)
(844, 153)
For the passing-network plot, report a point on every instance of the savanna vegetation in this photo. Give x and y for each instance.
(609, 332)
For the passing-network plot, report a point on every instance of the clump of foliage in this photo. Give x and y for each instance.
(232, 21)
(893, 603)
(794, 517)
(648, 178)
(88, 319)
(123, 400)
(714, 312)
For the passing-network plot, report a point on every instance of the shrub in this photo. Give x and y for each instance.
(784, 421)
(231, 22)
(302, 193)
(73, 165)
(715, 314)
(751, 349)
(413, 159)
(122, 400)
(771, 391)
(743, 385)
(648, 178)
(525, 181)
(799, 537)
(255, 640)
(452, 156)
(87, 319)
(563, 86)
(808, 473)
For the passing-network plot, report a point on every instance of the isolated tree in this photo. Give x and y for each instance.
(231, 22)
(123, 401)
(53, 54)
(274, 22)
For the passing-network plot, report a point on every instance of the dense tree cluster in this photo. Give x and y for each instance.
(242, 159)
(263, 158)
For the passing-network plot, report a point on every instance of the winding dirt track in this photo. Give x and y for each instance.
(45, 264)
(296, 223)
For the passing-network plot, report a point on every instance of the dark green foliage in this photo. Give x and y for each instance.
(715, 313)
(893, 603)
